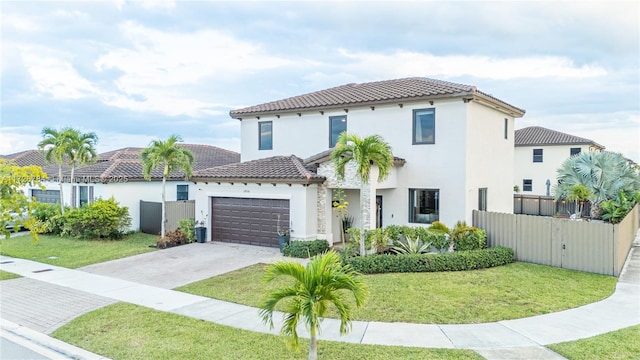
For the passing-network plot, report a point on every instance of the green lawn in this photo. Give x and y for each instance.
(621, 344)
(507, 292)
(125, 331)
(5, 275)
(74, 253)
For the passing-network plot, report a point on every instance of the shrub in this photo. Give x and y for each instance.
(50, 216)
(467, 237)
(305, 249)
(188, 227)
(615, 211)
(102, 219)
(173, 238)
(457, 261)
(411, 246)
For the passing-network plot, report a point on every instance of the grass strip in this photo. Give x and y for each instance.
(620, 344)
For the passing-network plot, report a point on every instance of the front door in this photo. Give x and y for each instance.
(378, 211)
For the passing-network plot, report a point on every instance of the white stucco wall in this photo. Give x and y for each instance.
(490, 159)
(302, 202)
(553, 157)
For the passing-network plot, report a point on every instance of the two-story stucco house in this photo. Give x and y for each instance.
(453, 148)
(539, 152)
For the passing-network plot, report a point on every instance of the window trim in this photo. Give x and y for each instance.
(411, 205)
(413, 132)
(524, 184)
(260, 125)
(331, 118)
(539, 157)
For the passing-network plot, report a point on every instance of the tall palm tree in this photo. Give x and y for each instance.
(322, 283)
(364, 152)
(55, 146)
(170, 157)
(81, 151)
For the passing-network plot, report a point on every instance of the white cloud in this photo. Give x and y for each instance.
(55, 77)
(407, 63)
(15, 139)
(19, 22)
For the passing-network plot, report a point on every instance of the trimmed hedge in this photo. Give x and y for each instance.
(455, 261)
(305, 249)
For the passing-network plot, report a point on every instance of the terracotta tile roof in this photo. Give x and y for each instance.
(536, 135)
(27, 157)
(415, 88)
(124, 163)
(272, 169)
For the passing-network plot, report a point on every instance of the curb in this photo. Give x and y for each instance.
(43, 344)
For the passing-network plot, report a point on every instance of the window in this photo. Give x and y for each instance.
(265, 140)
(527, 185)
(537, 155)
(424, 126)
(482, 199)
(183, 192)
(575, 151)
(46, 196)
(506, 128)
(337, 125)
(84, 195)
(424, 205)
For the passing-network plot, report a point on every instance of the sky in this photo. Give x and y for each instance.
(135, 71)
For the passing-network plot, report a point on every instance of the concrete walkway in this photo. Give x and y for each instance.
(511, 339)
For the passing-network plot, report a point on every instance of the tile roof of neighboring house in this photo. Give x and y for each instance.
(272, 169)
(536, 135)
(27, 157)
(415, 88)
(124, 164)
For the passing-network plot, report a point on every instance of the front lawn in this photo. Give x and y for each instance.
(124, 331)
(621, 344)
(5, 275)
(74, 253)
(506, 292)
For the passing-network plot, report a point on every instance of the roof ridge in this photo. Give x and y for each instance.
(298, 164)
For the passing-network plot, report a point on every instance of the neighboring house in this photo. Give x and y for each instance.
(539, 152)
(454, 148)
(118, 174)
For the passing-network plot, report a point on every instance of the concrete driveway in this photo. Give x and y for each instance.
(177, 266)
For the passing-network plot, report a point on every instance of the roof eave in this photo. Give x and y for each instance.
(499, 105)
(262, 180)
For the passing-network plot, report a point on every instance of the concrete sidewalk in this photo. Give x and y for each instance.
(511, 339)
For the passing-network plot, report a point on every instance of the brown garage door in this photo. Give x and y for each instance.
(248, 221)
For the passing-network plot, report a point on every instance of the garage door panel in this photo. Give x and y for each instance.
(247, 220)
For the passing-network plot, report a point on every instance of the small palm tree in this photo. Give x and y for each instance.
(322, 283)
(364, 152)
(55, 146)
(579, 194)
(170, 157)
(81, 150)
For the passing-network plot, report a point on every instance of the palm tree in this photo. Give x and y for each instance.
(55, 146)
(364, 152)
(81, 150)
(604, 174)
(171, 157)
(322, 283)
(579, 194)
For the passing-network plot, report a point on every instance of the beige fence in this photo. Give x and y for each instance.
(151, 214)
(579, 245)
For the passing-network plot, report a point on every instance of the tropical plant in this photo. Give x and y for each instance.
(604, 174)
(170, 157)
(579, 194)
(411, 246)
(81, 150)
(341, 206)
(615, 211)
(321, 284)
(364, 152)
(188, 227)
(55, 146)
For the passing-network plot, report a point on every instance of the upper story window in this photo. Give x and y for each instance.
(265, 135)
(424, 205)
(424, 126)
(575, 151)
(182, 192)
(337, 125)
(506, 128)
(537, 155)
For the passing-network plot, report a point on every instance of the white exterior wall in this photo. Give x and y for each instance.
(490, 160)
(552, 159)
(302, 202)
